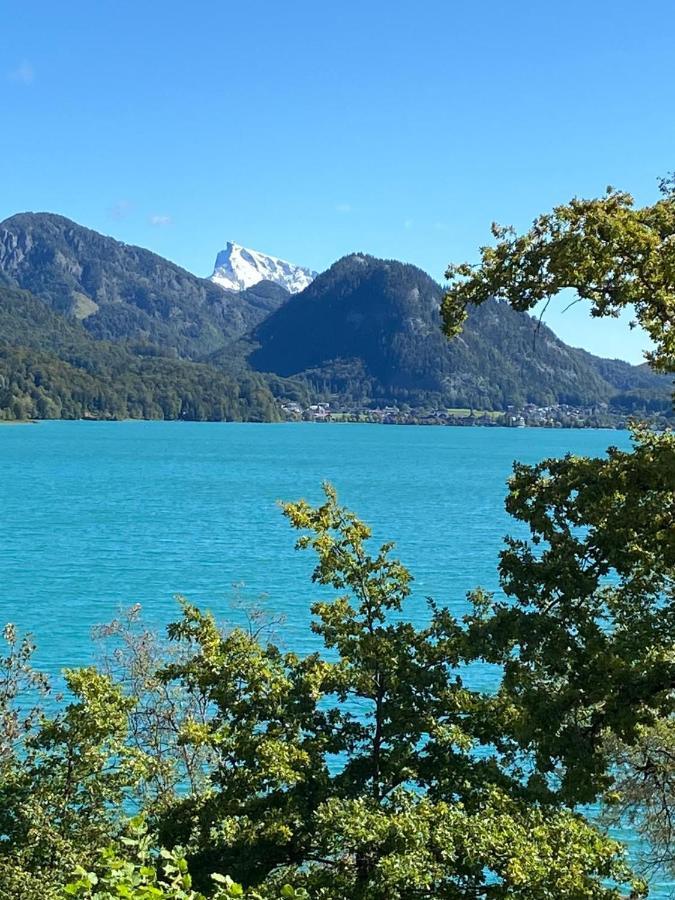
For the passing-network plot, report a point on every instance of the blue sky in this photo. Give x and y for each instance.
(309, 130)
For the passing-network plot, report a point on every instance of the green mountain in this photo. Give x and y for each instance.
(51, 367)
(121, 292)
(369, 330)
(92, 327)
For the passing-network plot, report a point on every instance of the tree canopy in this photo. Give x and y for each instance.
(613, 254)
(587, 631)
(368, 771)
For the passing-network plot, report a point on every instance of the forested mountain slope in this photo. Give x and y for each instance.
(121, 292)
(50, 367)
(370, 328)
(122, 332)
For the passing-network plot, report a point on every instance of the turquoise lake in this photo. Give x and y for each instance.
(99, 516)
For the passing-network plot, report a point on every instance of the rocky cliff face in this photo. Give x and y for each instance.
(238, 268)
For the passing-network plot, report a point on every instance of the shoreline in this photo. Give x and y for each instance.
(28, 421)
(341, 422)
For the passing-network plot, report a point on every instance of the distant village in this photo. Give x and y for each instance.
(528, 416)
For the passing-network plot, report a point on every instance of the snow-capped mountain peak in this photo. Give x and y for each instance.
(238, 268)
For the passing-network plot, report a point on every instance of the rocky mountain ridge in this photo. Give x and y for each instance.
(238, 268)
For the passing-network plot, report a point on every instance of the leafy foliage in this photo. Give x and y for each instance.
(615, 256)
(368, 772)
(407, 808)
(587, 636)
(134, 869)
(64, 784)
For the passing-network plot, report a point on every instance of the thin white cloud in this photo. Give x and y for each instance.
(343, 207)
(120, 210)
(23, 74)
(408, 223)
(440, 226)
(160, 220)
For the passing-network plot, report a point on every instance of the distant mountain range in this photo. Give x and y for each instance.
(93, 327)
(121, 292)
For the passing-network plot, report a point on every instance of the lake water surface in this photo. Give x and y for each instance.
(98, 516)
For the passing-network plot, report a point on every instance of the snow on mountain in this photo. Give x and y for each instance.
(238, 268)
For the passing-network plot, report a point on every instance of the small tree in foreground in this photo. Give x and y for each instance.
(371, 772)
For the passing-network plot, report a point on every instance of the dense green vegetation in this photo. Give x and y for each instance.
(50, 367)
(366, 771)
(36, 385)
(369, 329)
(594, 652)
